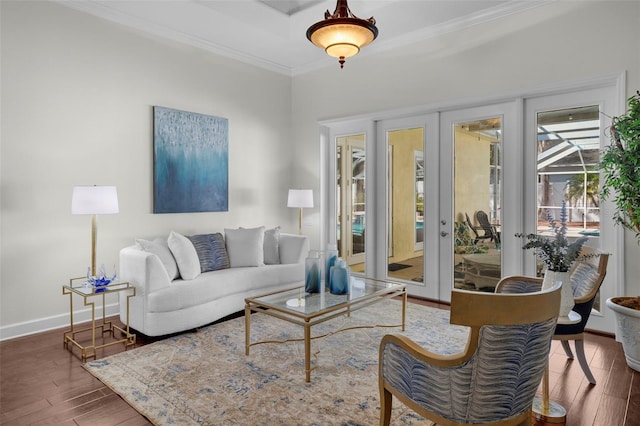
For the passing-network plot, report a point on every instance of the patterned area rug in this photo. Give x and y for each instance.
(204, 377)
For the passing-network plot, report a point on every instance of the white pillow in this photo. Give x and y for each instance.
(185, 254)
(160, 248)
(272, 246)
(245, 246)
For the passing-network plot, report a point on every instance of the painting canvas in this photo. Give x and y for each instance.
(191, 162)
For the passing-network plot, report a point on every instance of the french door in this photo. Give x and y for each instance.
(408, 151)
(444, 193)
(441, 168)
(351, 198)
(564, 135)
(480, 204)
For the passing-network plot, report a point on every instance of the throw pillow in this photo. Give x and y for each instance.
(211, 251)
(160, 248)
(583, 278)
(272, 246)
(245, 246)
(185, 255)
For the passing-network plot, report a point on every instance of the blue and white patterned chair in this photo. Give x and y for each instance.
(586, 278)
(494, 380)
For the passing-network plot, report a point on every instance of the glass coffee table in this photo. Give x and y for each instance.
(309, 309)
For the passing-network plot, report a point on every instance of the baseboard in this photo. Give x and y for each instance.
(54, 322)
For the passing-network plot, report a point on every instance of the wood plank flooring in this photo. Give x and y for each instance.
(42, 383)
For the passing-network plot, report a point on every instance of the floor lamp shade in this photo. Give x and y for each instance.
(94, 200)
(300, 198)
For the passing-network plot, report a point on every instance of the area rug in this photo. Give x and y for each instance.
(205, 378)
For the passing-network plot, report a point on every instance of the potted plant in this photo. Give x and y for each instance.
(620, 164)
(558, 254)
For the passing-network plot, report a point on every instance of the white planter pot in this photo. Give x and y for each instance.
(627, 332)
(566, 295)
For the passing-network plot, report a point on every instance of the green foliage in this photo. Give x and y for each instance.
(555, 252)
(575, 188)
(620, 166)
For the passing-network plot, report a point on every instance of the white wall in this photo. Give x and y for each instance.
(77, 97)
(557, 43)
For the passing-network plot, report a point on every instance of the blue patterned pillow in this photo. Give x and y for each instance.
(212, 252)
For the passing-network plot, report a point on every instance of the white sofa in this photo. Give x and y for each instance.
(163, 305)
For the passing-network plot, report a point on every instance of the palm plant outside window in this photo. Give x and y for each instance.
(568, 156)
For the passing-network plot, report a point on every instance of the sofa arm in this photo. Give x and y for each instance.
(143, 270)
(293, 248)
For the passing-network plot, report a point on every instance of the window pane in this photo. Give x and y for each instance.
(568, 156)
(477, 204)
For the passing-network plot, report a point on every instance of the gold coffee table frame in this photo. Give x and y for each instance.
(320, 307)
(76, 286)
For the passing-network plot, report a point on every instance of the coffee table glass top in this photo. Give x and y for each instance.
(297, 301)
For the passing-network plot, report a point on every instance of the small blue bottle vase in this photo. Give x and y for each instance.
(312, 273)
(331, 257)
(339, 278)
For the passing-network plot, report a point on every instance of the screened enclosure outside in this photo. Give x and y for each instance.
(568, 156)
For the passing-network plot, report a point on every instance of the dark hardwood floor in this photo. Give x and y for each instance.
(42, 383)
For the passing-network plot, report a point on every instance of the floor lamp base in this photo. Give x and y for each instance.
(555, 415)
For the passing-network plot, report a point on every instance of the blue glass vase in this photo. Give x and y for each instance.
(339, 278)
(331, 257)
(312, 273)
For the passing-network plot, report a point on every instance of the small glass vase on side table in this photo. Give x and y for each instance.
(79, 287)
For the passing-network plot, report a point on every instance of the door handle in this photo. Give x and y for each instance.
(443, 234)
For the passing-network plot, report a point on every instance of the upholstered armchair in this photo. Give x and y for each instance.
(493, 380)
(586, 277)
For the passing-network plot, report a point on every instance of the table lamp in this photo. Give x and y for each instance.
(300, 198)
(94, 200)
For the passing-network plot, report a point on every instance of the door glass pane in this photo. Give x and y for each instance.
(568, 155)
(419, 199)
(351, 203)
(406, 204)
(477, 204)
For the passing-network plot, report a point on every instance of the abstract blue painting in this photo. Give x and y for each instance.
(191, 162)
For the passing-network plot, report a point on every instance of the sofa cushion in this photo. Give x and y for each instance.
(245, 246)
(218, 284)
(272, 246)
(160, 248)
(185, 254)
(211, 250)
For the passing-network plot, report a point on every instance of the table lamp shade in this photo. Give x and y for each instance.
(94, 200)
(300, 198)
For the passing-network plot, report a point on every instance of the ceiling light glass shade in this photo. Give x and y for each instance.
(342, 34)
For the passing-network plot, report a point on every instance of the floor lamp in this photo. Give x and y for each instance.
(94, 200)
(300, 198)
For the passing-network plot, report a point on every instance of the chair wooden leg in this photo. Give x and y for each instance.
(583, 361)
(385, 408)
(567, 348)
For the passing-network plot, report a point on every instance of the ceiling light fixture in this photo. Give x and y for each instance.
(342, 34)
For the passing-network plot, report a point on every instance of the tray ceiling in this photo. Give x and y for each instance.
(272, 33)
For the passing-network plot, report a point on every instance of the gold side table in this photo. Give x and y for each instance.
(88, 293)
